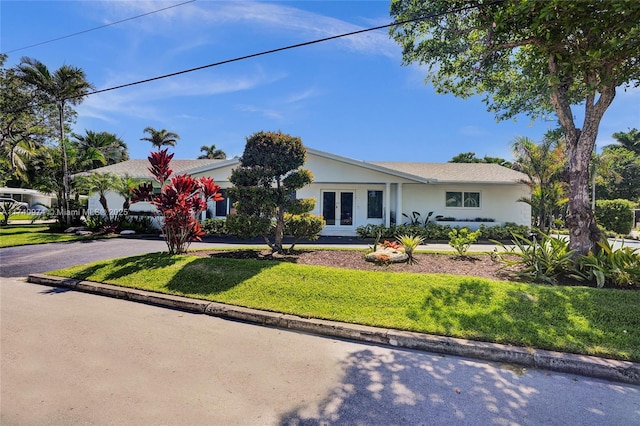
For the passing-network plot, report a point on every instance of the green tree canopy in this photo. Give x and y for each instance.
(265, 184)
(531, 57)
(98, 149)
(470, 157)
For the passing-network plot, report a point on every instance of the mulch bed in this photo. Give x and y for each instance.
(480, 265)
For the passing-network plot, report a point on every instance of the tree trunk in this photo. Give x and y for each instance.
(583, 231)
(65, 167)
(279, 231)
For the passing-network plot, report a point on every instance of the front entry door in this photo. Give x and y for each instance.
(337, 208)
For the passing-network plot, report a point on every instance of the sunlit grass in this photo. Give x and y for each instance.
(583, 320)
(25, 235)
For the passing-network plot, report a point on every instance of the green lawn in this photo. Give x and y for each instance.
(24, 235)
(603, 322)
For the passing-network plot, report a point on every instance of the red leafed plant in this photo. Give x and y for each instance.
(180, 201)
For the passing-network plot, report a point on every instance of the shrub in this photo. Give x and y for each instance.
(620, 268)
(95, 222)
(141, 225)
(615, 215)
(373, 231)
(214, 226)
(539, 260)
(181, 199)
(461, 239)
(304, 225)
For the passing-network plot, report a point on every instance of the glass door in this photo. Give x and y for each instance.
(337, 208)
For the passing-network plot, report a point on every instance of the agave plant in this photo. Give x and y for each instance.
(410, 242)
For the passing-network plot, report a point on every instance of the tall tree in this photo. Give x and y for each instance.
(532, 57)
(23, 126)
(264, 186)
(160, 138)
(65, 86)
(211, 153)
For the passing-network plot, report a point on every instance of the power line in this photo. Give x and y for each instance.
(97, 28)
(293, 46)
(280, 49)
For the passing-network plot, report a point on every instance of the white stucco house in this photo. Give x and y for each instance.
(351, 193)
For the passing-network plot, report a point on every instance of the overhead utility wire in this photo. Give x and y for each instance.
(280, 49)
(97, 28)
(293, 46)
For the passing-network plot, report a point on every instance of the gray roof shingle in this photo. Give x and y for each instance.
(140, 168)
(456, 172)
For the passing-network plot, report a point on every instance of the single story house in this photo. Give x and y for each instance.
(351, 193)
(37, 201)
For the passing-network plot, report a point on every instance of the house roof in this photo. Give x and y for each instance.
(140, 168)
(419, 172)
(457, 172)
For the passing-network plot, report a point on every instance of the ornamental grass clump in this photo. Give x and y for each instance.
(410, 242)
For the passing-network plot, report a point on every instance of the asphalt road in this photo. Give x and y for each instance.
(24, 260)
(74, 358)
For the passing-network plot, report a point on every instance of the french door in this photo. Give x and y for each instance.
(337, 208)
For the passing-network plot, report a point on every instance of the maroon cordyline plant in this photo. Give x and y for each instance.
(181, 200)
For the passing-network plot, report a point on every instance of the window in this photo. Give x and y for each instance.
(222, 207)
(463, 199)
(374, 204)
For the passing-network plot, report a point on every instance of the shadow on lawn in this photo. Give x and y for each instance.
(203, 277)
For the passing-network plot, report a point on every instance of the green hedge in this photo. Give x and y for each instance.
(615, 215)
(435, 231)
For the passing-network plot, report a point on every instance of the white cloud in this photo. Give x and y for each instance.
(214, 16)
(267, 112)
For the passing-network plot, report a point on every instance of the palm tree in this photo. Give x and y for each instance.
(211, 153)
(629, 140)
(160, 138)
(106, 147)
(543, 164)
(98, 183)
(66, 86)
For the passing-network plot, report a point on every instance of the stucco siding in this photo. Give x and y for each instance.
(326, 170)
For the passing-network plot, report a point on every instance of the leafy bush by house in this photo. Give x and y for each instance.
(303, 225)
(461, 239)
(615, 215)
(214, 226)
(435, 231)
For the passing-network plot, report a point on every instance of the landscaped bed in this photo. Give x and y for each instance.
(604, 322)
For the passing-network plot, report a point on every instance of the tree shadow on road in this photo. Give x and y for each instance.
(408, 387)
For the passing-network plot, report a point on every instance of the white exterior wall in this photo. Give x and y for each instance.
(498, 202)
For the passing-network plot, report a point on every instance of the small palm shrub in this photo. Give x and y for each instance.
(410, 242)
(461, 239)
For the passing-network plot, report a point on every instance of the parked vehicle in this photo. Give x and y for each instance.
(20, 206)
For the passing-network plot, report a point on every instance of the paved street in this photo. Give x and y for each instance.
(74, 358)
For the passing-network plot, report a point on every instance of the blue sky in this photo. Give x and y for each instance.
(349, 96)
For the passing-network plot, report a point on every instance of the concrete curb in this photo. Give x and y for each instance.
(590, 366)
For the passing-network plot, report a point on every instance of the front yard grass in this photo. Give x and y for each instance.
(24, 235)
(602, 322)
